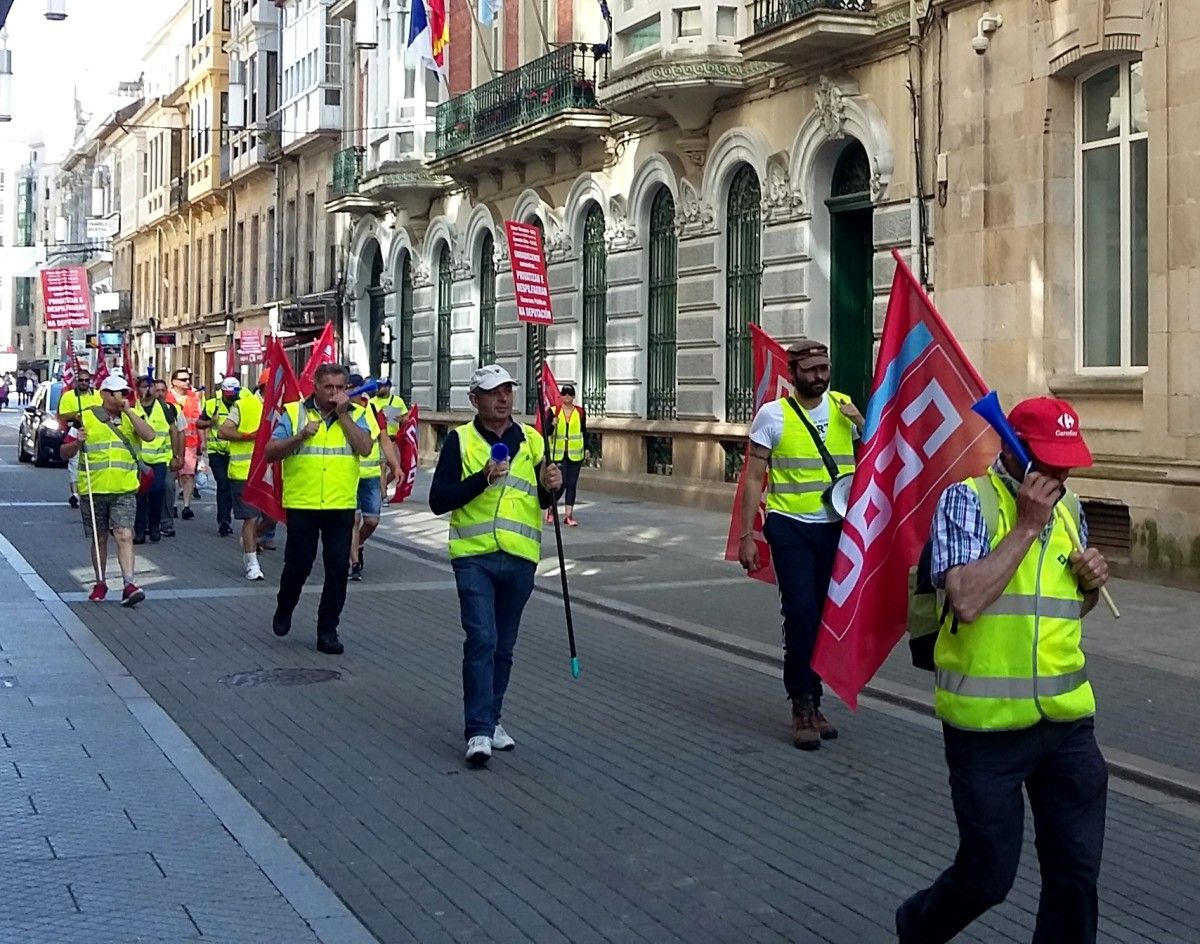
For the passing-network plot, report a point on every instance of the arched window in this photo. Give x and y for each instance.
(1111, 172)
(743, 299)
(406, 328)
(487, 301)
(595, 312)
(663, 248)
(444, 294)
(535, 339)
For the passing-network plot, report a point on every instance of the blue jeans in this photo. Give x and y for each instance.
(150, 505)
(492, 592)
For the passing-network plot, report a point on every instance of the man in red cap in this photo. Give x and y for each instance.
(1011, 686)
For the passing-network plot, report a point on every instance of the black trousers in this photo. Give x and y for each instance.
(333, 529)
(219, 463)
(803, 556)
(570, 472)
(1062, 770)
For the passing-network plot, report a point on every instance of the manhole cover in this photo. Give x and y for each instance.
(281, 677)
(611, 558)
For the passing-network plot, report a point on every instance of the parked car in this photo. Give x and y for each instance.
(40, 435)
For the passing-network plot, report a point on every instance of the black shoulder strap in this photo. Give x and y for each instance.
(830, 466)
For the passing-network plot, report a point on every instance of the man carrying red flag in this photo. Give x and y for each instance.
(278, 387)
(406, 442)
(324, 352)
(802, 443)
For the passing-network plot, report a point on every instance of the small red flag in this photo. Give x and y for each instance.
(264, 484)
(323, 352)
(406, 440)
(921, 436)
(101, 370)
(551, 398)
(770, 383)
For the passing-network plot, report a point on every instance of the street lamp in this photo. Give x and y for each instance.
(56, 10)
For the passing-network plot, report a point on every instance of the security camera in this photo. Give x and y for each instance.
(988, 24)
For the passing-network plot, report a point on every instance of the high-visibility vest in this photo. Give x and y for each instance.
(797, 476)
(368, 467)
(189, 406)
(1020, 661)
(250, 410)
(107, 466)
(217, 411)
(157, 452)
(71, 402)
(506, 516)
(567, 440)
(393, 408)
(323, 473)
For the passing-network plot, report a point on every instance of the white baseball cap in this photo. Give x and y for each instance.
(231, 383)
(491, 377)
(115, 383)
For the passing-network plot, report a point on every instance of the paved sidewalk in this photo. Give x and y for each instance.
(664, 564)
(104, 837)
(657, 799)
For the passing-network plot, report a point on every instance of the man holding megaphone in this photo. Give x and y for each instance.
(1011, 687)
(493, 478)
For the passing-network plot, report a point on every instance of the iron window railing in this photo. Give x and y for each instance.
(347, 171)
(663, 250)
(445, 296)
(487, 302)
(743, 291)
(595, 312)
(535, 340)
(768, 14)
(564, 78)
(406, 330)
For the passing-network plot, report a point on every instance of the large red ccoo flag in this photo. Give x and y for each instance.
(920, 437)
(264, 483)
(324, 352)
(406, 442)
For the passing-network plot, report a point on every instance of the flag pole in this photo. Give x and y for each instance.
(547, 419)
(474, 17)
(83, 460)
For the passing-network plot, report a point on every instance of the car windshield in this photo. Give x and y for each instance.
(53, 396)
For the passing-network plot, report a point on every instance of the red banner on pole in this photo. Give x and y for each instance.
(66, 298)
(250, 344)
(770, 383)
(323, 352)
(529, 272)
(406, 441)
(264, 483)
(920, 437)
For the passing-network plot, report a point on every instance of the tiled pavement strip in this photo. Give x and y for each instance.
(655, 799)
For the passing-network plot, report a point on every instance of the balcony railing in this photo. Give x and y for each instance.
(563, 78)
(347, 172)
(769, 14)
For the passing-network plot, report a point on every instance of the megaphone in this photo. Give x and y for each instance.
(989, 408)
(369, 387)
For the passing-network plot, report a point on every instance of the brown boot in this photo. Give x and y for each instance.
(805, 735)
(824, 726)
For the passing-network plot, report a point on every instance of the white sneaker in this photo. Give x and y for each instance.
(253, 572)
(479, 750)
(501, 740)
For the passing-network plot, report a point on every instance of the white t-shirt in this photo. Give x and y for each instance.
(767, 430)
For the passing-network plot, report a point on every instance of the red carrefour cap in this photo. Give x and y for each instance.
(1050, 428)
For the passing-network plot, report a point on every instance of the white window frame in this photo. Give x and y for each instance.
(1124, 140)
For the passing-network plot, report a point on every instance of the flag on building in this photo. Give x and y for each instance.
(770, 383)
(489, 10)
(323, 352)
(264, 483)
(428, 35)
(406, 441)
(920, 437)
(550, 397)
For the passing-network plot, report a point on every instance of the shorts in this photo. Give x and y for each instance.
(73, 469)
(241, 510)
(189, 463)
(370, 498)
(112, 511)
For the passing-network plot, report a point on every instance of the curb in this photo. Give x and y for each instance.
(1180, 784)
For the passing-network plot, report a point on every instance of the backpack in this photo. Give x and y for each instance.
(928, 607)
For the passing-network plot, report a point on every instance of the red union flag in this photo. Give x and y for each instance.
(406, 440)
(770, 383)
(264, 483)
(551, 398)
(529, 272)
(66, 298)
(323, 352)
(920, 437)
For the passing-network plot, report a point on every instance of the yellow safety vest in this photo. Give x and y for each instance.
(797, 476)
(107, 466)
(1021, 660)
(323, 473)
(368, 468)
(567, 440)
(393, 408)
(157, 452)
(217, 412)
(506, 516)
(70, 402)
(250, 410)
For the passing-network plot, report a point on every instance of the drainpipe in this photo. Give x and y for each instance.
(917, 203)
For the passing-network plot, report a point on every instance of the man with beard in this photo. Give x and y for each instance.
(801, 443)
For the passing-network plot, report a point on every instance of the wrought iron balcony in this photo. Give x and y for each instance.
(797, 30)
(562, 80)
(347, 172)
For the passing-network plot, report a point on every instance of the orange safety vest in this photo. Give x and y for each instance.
(190, 408)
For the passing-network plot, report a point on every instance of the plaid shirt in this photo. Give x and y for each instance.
(960, 535)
